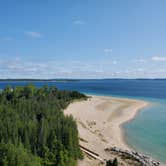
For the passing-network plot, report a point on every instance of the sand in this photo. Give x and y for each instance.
(100, 120)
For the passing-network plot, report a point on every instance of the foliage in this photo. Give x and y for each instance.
(112, 163)
(12, 155)
(33, 128)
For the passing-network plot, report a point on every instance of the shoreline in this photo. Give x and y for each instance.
(147, 104)
(100, 122)
(135, 111)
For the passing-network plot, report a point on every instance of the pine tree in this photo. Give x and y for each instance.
(33, 128)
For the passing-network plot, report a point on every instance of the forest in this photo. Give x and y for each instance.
(33, 128)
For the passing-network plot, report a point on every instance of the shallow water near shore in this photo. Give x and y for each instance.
(147, 132)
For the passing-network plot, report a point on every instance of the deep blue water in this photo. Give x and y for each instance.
(147, 132)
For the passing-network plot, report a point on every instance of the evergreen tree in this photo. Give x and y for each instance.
(112, 163)
(33, 128)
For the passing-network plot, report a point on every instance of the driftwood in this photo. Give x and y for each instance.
(92, 154)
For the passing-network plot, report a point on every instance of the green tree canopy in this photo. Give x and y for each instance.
(33, 128)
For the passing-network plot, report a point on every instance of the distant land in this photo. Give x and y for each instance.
(73, 80)
(32, 80)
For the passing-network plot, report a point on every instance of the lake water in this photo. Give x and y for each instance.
(147, 132)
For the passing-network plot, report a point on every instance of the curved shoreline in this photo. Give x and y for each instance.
(142, 104)
(147, 104)
(100, 122)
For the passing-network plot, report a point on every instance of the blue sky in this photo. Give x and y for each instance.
(82, 39)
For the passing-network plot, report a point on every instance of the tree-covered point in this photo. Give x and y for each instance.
(33, 128)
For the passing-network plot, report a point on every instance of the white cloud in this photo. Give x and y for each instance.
(8, 38)
(140, 69)
(114, 62)
(34, 34)
(17, 67)
(107, 50)
(78, 22)
(159, 58)
(141, 60)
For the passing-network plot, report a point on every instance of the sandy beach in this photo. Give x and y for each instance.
(99, 122)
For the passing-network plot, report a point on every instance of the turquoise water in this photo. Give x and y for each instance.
(147, 132)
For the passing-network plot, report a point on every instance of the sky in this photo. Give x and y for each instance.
(82, 39)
